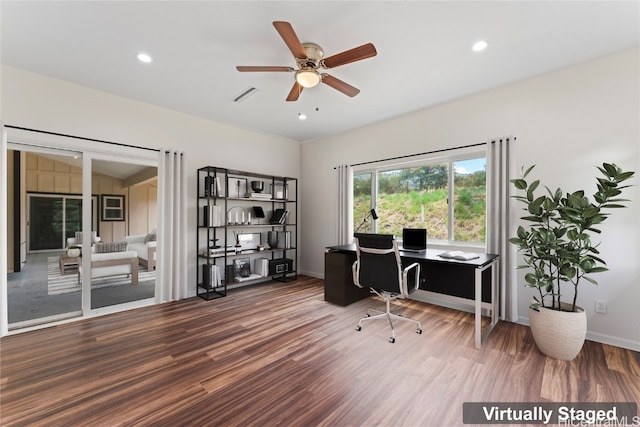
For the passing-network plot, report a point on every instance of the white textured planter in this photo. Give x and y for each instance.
(73, 252)
(559, 334)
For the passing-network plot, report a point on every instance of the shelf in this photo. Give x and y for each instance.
(211, 293)
(256, 199)
(230, 190)
(247, 225)
(275, 277)
(244, 253)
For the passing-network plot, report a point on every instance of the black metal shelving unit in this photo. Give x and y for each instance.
(224, 212)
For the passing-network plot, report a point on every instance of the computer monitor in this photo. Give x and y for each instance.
(414, 239)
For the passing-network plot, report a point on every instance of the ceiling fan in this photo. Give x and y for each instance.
(309, 58)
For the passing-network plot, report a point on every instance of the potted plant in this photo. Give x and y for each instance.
(557, 250)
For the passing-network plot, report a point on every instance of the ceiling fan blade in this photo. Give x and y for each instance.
(296, 90)
(338, 84)
(261, 68)
(290, 38)
(352, 55)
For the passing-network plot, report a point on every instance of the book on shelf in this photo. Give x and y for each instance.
(218, 251)
(261, 266)
(279, 216)
(252, 276)
(459, 255)
(212, 216)
(211, 276)
(265, 196)
(211, 186)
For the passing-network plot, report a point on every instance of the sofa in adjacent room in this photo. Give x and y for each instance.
(77, 240)
(145, 246)
(112, 259)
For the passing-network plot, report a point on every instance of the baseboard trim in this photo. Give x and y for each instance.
(313, 274)
(601, 338)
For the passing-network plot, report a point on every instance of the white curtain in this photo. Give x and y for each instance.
(4, 307)
(171, 267)
(345, 204)
(499, 173)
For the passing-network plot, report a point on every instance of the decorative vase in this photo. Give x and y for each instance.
(73, 252)
(272, 239)
(257, 186)
(559, 334)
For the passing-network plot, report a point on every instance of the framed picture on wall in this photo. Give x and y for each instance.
(112, 208)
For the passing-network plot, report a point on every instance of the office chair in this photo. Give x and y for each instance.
(378, 266)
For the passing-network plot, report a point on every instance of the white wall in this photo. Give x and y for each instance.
(566, 122)
(39, 102)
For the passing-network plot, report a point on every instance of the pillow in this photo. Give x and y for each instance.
(94, 236)
(106, 247)
(151, 237)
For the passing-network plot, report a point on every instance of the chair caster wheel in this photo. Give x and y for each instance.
(358, 328)
(392, 340)
(368, 315)
(419, 331)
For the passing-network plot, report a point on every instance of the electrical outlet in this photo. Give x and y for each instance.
(601, 307)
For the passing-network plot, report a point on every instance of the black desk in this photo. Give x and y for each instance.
(459, 281)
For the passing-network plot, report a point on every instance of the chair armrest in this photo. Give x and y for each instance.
(405, 277)
(354, 271)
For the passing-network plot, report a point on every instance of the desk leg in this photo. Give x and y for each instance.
(478, 308)
(480, 337)
(494, 294)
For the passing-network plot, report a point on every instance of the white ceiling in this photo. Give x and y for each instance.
(424, 52)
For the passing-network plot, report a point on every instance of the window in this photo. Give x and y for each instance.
(417, 196)
(112, 208)
(362, 201)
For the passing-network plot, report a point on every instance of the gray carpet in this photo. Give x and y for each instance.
(29, 299)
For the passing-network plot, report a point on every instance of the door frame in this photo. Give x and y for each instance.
(22, 139)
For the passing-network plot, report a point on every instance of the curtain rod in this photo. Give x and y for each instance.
(422, 154)
(83, 138)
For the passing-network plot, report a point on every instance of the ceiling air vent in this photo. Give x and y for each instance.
(245, 94)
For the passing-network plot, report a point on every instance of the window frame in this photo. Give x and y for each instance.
(449, 160)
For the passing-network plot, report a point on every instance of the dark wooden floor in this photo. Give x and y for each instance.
(278, 354)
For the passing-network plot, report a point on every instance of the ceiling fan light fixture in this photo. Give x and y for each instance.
(144, 57)
(307, 78)
(479, 46)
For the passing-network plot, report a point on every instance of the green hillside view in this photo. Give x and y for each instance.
(401, 206)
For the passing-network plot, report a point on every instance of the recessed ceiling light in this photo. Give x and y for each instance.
(480, 45)
(302, 116)
(144, 57)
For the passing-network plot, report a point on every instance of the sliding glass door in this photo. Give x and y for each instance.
(123, 262)
(52, 220)
(45, 201)
(50, 188)
(45, 222)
